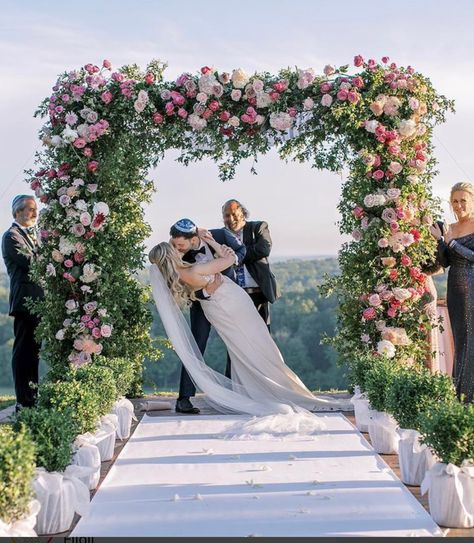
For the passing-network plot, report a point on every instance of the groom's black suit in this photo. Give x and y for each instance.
(200, 326)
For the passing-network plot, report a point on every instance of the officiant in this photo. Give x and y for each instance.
(19, 248)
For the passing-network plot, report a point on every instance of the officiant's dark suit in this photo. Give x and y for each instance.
(200, 326)
(19, 246)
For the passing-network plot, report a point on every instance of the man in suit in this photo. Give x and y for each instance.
(254, 274)
(19, 247)
(185, 238)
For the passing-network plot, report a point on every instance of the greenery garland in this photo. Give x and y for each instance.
(106, 128)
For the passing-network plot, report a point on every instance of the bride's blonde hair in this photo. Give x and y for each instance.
(168, 260)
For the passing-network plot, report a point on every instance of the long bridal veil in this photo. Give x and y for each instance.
(228, 396)
(220, 392)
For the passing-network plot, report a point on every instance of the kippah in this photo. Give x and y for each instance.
(20, 197)
(186, 226)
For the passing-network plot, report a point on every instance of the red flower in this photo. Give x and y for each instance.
(149, 78)
(92, 166)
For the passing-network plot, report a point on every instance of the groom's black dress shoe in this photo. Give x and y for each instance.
(185, 406)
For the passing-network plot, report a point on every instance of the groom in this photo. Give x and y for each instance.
(185, 238)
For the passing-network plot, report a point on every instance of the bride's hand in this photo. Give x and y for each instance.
(226, 252)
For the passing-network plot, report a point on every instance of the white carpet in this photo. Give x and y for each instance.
(175, 478)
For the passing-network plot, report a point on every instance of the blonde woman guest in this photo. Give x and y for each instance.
(456, 251)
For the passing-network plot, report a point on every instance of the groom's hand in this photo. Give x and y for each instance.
(212, 287)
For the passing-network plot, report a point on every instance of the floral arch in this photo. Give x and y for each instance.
(106, 128)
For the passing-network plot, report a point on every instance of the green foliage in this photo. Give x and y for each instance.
(100, 380)
(123, 372)
(448, 428)
(17, 467)
(413, 390)
(378, 381)
(53, 433)
(85, 404)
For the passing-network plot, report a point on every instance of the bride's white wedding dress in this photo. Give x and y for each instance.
(262, 384)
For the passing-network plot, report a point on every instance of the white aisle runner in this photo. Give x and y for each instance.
(176, 478)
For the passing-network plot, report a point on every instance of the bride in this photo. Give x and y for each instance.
(262, 383)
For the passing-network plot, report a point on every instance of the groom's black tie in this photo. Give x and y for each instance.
(193, 252)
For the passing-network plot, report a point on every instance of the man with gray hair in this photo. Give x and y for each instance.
(19, 247)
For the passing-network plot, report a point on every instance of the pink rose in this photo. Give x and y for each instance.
(205, 70)
(395, 167)
(96, 332)
(405, 260)
(369, 313)
(224, 116)
(68, 263)
(149, 78)
(326, 100)
(92, 166)
(236, 95)
(358, 82)
(374, 300)
(79, 143)
(182, 113)
(107, 64)
(392, 312)
(157, 118)
(353, 97)
(378, 174)
(214, 105)
(106, 97)
(78, 230)
(329, 70)
(382, 243)
(106, 330)
(87, 152)
(69, 277)
(358, 61)
(342, 94)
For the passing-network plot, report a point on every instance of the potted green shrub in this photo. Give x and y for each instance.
(101, 381)
(60, 493)
(413, 391)
(357, 372)
(448, 429)
(18, 510)
(382, 426)
(123, 372)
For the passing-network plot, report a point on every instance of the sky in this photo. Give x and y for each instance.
(41, 39)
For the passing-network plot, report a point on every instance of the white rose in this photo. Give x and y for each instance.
(101, 207)
(369, 200)
(371, 126)
(386, 348)
(81, 205)
(64, 200)
(69, 134)
(239, 78)
(406, 128)
(66, 247)
(89, 273)
(60, 335)
(71, 305)
(263, 99)
(393, 194)
(379, 199)
(234, 121)
(401, 294)
(56, 141)
(82, 130)
(308, 104)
